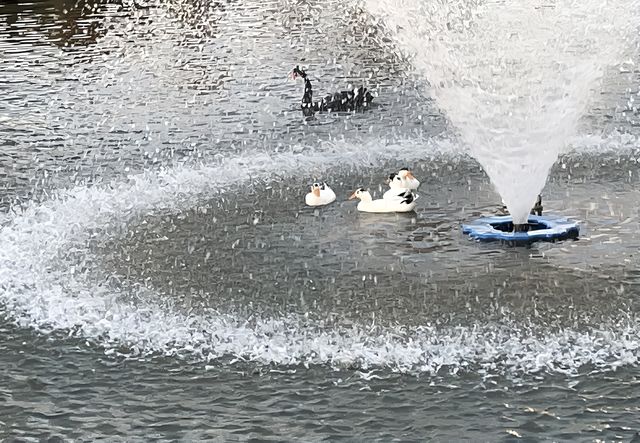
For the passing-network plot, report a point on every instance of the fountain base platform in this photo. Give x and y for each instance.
(537, 228)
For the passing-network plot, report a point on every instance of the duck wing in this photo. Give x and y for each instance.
(407, 197)
(357, 98)
(362, 97)
(339, 101)
(345, 100)
(397, 194)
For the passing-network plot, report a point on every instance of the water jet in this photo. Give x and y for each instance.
(513, 78)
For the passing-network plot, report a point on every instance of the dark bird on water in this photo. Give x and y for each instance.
(537, 208)
(343, 101)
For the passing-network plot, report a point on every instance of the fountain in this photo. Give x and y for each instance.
(502, 228)
(513, 77)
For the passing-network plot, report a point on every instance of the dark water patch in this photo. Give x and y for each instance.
(264, 252)
(87, 400)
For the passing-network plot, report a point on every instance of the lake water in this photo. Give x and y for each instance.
(162, 279)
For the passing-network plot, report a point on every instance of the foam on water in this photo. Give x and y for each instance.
(51, 282)
(514, 77)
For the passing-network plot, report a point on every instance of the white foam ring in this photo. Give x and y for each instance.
(48, 279)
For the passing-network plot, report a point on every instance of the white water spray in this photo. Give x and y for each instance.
(514, 77)
(51, 281)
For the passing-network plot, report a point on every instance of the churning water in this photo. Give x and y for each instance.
(162, 279)
(514, 77)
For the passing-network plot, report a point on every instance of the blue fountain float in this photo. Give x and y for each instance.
(538, 228)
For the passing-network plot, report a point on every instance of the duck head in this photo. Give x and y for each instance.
(362, 194)
(405, 173)
(315, 188)
(297, 72)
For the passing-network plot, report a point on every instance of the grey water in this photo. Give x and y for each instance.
(162, 279)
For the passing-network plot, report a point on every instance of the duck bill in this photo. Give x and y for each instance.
(316, 192)
(410, 176)
(352, 196)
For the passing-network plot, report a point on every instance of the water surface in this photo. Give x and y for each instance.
(162, 278)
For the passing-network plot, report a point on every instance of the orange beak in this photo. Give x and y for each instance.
(410, 175)
(353, 196)
(316, 192)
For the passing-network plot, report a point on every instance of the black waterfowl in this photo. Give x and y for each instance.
(537, 208)
(343, 101)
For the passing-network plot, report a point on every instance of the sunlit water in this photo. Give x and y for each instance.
(161, 277)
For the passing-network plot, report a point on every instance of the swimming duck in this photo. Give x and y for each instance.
(321, 194)
(356, 99)
(404, 202)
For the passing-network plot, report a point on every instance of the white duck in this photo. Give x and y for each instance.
(321, 194)
(405, 202)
